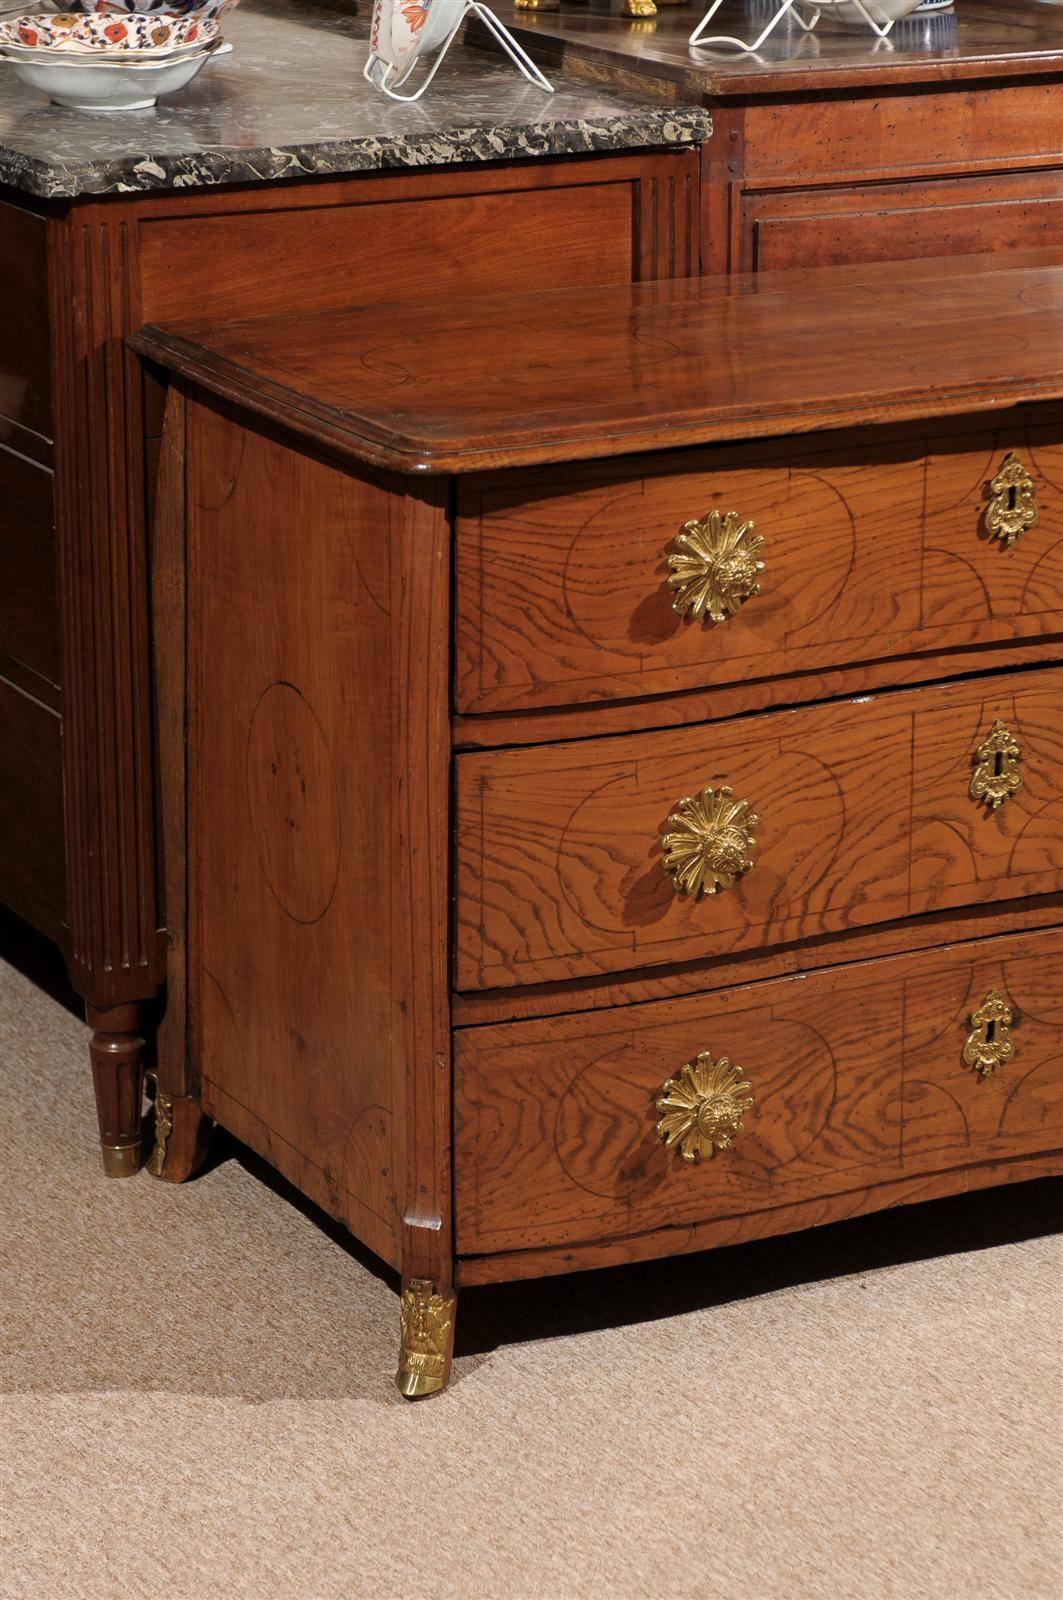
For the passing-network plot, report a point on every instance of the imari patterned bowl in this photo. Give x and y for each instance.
(167, 8)
(108, 33)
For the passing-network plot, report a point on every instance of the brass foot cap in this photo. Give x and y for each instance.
(415, 1385)
(121, 1160)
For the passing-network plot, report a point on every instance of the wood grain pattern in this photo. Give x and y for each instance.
(953, 215)
(561, 574)
(473, 1007)
(865, 814)
(363, 252)
(317, 873)
(829, 140)
(29, 606)
(25, 369)
(32, 859)
(578, 374)
(716, 703)
(976, 579)
(113, 949)
(858, 1076)
(507, 1267)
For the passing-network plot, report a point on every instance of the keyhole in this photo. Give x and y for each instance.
(1013, 497)
(998, 763)
(990, 1030)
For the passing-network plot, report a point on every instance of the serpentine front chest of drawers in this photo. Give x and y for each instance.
(612, 760)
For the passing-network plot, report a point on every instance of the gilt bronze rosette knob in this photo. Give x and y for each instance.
(709, 841)
(703, 1106)
(715, 567)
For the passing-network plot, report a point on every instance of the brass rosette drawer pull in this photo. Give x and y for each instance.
(996, 775)
(709, 841)
(714, 570)
(703, 1106)
(1012, 507)
(989, 1043)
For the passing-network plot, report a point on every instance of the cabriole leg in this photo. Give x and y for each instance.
(426, 1342)
(117, 1051)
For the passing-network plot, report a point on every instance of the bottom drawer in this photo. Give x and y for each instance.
(857, 1075)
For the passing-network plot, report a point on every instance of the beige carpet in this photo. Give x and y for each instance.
(198, 1401)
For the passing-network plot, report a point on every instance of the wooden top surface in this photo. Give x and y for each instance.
(511, 380)
(979, 39)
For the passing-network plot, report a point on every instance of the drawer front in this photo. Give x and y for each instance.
(866, 550)
(857, 1075)
(865, 813)
(29, 606)
(885, 134)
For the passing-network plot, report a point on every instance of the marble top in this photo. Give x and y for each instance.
(290, 102)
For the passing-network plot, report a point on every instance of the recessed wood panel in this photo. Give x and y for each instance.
(330, 257)
(865, 816)
(948, 217)
(25, 353)
(960, 129)
(29, 606)
(857, 1074)
(32, 849)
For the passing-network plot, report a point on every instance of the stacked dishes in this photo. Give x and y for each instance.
(109, 60)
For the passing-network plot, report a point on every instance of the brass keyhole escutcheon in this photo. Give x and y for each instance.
(709, 841)
(1012, 508)
(989, 1043)
(702, 1107)
(996, 775)
(715, 566)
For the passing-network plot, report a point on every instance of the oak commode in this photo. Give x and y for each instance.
(612, 762)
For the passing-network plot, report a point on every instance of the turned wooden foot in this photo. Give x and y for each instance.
(182, 1132)
(117, 1051)
(426, 1341)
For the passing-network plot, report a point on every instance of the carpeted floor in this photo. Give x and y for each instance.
(198, 1399)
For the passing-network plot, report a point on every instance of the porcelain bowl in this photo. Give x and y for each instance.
(109, 85)
(108, 33)
(167, 8)
(883, 11)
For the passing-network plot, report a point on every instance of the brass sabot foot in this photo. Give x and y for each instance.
(121, 1160)
(426, 1341)
(415, 1385)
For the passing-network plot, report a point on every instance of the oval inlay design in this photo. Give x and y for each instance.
(293, 799)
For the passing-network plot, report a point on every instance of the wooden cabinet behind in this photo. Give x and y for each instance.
(85, 276)
(880, 174)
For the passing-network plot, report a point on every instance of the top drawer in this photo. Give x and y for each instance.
(873, 546)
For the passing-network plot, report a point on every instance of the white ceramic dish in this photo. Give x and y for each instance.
(109, 85)
(882, 11)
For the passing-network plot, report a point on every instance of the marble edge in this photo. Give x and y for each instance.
(138, 172)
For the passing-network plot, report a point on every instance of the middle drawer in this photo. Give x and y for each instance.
(867, 810)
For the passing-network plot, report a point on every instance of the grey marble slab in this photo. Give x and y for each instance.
(290, 102)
